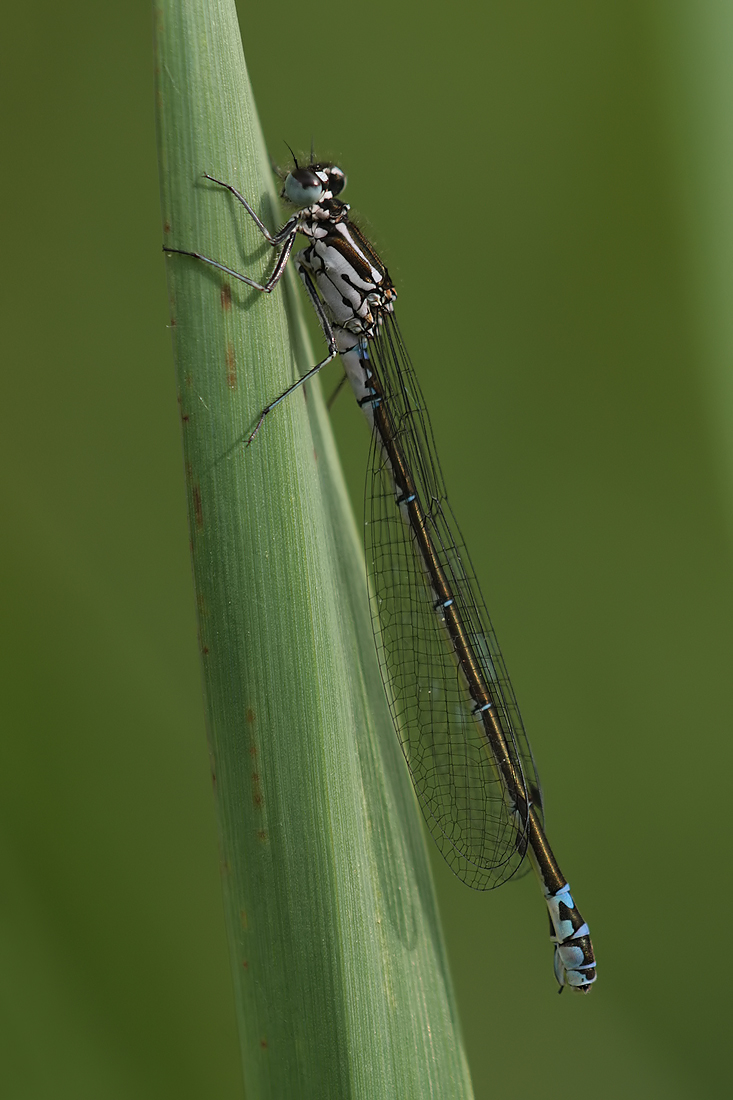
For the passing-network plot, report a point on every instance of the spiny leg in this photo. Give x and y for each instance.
(330, 339)
(272, 238)
(286, 234)
(267, 287)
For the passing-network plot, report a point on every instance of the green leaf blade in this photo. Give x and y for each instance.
(339, 972)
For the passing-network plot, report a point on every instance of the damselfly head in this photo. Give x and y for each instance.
(306, 186)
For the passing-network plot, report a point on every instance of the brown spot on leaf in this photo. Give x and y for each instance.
(226, 296)
(166, 227)
(250, 715)
(256, 789)
(263, 1044)
(205, 650)
(262, 834)
(245, 964)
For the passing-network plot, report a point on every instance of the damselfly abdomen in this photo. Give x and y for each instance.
(448, 689)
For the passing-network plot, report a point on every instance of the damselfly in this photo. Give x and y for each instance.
(451, 699)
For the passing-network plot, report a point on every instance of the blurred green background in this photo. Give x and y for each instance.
(550, 186)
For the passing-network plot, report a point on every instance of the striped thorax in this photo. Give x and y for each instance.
(350, 277)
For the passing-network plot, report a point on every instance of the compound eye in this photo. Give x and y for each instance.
(303, 187)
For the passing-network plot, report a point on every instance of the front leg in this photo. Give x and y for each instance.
(285, 236)
(272, 238)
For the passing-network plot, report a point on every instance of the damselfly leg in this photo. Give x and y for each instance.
(286, 238)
